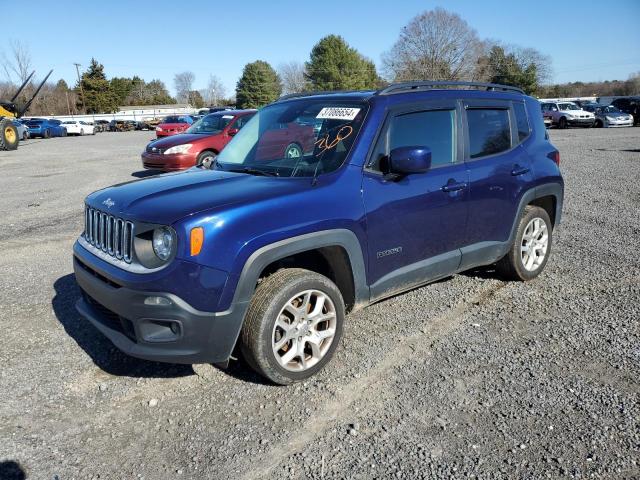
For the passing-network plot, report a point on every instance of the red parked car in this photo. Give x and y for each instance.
(199, 145)
(173, 125)
(289, 140)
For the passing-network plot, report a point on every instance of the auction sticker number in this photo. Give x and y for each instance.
(338, 113)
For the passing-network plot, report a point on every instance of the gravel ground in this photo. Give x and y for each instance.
(468, 377)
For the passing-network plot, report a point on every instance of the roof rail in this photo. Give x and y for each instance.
(319, 92)
(428, 85)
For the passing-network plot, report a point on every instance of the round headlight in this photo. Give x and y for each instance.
(162, 243)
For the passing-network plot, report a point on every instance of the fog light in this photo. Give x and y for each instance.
(175, 328)
(157, 301)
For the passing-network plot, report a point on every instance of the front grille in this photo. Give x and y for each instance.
(112, 235)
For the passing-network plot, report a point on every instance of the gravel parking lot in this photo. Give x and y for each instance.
(467, 377)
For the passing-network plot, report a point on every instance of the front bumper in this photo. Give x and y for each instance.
(581, 122)
(618, 123)
(174, 333)
(168, 163)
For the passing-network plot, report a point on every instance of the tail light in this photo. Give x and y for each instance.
(555, 156)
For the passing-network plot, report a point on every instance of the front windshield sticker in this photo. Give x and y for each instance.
(338, 113)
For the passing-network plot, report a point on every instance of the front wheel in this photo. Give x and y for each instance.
(562, 123)
(46, 134)
(598, 124)
(9, 138)
(293, 150)
(531, 248)
(206, 159)
(81, 132)
(293, 325)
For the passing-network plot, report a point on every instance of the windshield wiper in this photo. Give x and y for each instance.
(253, 171)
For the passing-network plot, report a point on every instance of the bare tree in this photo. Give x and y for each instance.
(531, 56)
(215, 91)
(183, 83)
(293, 77)
(17, 65)
(435, 45)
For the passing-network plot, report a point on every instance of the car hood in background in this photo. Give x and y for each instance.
(165, 199)
(169, 126)
(180, 139)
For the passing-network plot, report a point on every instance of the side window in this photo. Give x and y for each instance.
(489, 131)
(242, 121)
(434, 129)
(521, 120)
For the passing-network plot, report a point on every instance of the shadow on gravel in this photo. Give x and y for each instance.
(486, 273)
(631, 150)
(10, 470)
(146, 173)
(103, 353)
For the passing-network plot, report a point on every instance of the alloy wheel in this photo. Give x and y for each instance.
(304, 330)
(535, 243)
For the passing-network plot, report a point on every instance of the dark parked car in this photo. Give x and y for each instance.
(102, 124)
(630, 105)
(404, 186)
(44, 128)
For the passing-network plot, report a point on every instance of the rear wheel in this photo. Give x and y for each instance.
(598, 124)
(293, 325)
(82, 132)
(46, 134)
(562, 123)
(9, 138)
(531, 248)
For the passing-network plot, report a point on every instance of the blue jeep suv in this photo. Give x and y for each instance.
(322, 204)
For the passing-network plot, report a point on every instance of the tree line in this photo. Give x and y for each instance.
(434, 45)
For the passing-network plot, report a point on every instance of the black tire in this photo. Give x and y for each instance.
(9, 138)
(511, 266)
(206, 158)
(291, 148)
(598, 124)
(25, 135)
(64, 132)
(562, 123)
(82, 132)
(272, 294)
(46, 134)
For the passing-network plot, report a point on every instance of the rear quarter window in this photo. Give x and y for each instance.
(522, 121)
(489, 131)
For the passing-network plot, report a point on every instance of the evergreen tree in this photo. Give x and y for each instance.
(508, 70)
(334, 65)
(98, 97)
(258, 85)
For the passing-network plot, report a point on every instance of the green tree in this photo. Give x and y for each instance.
(98, 97)
(121, 88)
(507, 69)
(195, 99)
(258, 85)
(334, 65)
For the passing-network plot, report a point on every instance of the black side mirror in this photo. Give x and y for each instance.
(406, 160)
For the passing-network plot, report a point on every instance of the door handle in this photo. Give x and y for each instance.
(454, 186)
(518, 170)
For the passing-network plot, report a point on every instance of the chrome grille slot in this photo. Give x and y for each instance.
(111, 235)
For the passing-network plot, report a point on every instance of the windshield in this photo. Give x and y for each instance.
(610, 109)
(568, 106)
(213, 123)
(35, 122)
(295, 139)
(68, 122)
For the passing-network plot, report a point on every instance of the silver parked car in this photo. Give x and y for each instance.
(609, 116)
(23, 130)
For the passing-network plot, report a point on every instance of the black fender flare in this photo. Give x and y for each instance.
(230, 322)
(547, 189)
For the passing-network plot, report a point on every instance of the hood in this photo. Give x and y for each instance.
(165, 199)
(180, 139)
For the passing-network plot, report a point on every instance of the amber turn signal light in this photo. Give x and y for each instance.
(197, 239)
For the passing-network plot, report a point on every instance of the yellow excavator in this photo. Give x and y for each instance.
(9, 111)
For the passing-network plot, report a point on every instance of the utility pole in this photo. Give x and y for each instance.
(66, 94)
(84, 104)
